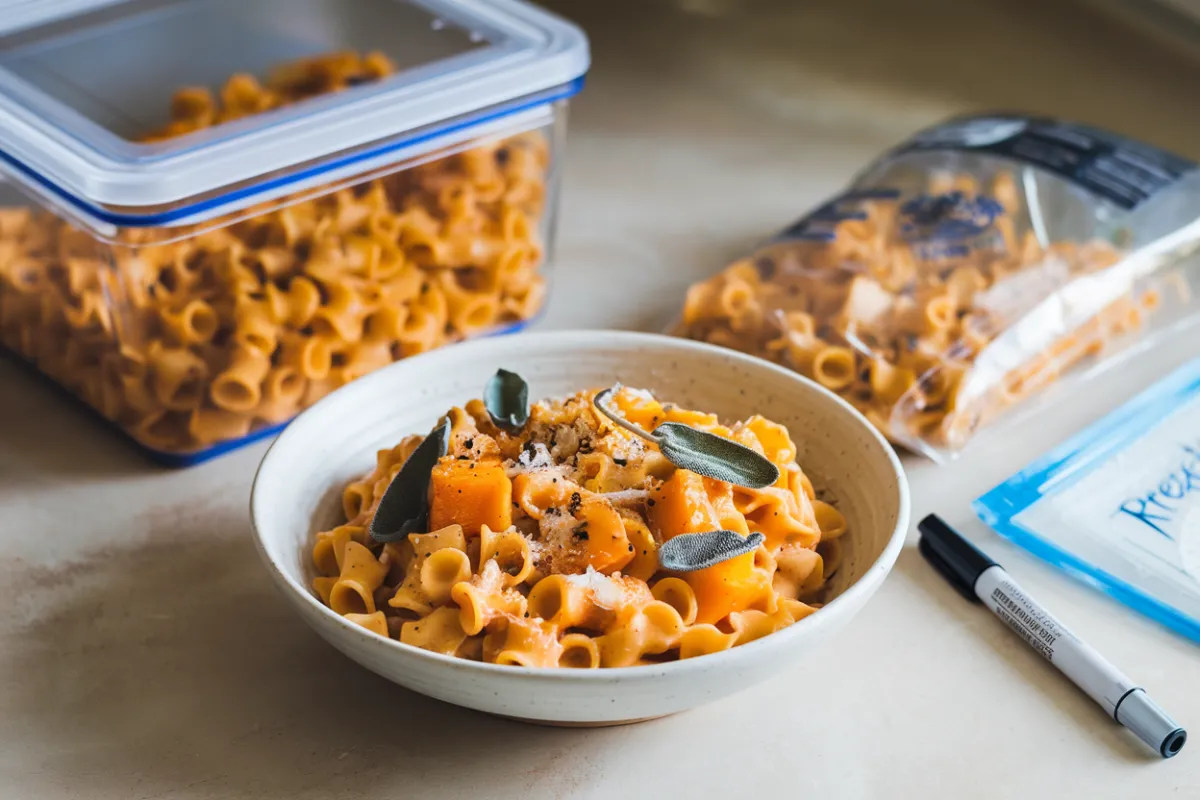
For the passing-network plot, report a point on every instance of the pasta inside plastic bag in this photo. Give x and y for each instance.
(966, 271)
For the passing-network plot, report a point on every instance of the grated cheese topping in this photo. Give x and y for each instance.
(535, 547)
(640, 394)
(604, 591)
(626, 497)
(534, 460)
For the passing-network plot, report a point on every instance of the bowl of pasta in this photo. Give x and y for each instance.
(583, 528)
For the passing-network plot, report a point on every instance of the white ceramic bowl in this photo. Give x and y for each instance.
(297, 492)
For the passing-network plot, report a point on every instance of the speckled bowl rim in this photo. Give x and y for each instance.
(583, 340)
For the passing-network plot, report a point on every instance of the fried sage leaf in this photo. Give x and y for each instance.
(699, 451)
(404, 508)
(506, 397)
(689, 552)
(714, 456)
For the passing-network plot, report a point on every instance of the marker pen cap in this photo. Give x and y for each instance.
(959, 561)
(1150, 723)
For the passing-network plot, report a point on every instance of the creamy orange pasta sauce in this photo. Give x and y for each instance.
(542, 543)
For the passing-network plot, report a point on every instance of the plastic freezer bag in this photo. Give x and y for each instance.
(965, 271)
(1119, 505)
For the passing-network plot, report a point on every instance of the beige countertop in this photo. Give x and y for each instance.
(144, 653)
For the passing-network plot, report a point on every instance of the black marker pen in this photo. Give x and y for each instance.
(978, 578)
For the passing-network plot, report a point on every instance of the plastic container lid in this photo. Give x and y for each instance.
(80, 80)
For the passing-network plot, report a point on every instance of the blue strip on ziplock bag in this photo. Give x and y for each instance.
(1118, 505)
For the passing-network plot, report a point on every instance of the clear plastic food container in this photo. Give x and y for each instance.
(215, 212)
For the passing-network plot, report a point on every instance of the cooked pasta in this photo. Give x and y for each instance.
(542, 548)
(187, 341)
(922, 341)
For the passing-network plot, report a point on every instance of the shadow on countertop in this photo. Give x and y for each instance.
(45, 435)
(947, 609)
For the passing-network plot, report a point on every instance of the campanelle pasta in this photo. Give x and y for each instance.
(187, 339)
(542, 543)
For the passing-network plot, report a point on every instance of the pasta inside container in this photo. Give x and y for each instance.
(301, 193)
(966, 272)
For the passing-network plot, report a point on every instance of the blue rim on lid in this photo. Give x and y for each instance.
(188, 458)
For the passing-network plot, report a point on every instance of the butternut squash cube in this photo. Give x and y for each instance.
(608, 547)
(690, 503)
(681, 505)
(471, 494)
(724, 588)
